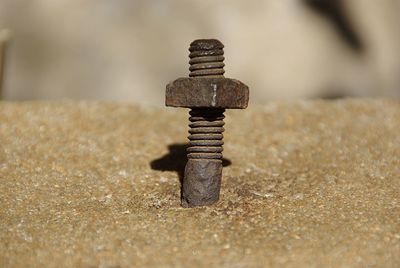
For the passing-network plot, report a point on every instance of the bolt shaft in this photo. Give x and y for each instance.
(203, 172)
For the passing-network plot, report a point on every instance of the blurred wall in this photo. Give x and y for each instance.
(4, 36)
(128, 50)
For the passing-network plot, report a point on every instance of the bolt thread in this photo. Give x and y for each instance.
(206, 124)
(206, 58)
(205, 139)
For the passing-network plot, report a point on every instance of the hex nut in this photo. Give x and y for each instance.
(207, 92)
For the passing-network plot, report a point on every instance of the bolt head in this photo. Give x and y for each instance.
(210, 92)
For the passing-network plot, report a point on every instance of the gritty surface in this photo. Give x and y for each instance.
(305, 184)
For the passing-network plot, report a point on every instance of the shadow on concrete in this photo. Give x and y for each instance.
(175, 160)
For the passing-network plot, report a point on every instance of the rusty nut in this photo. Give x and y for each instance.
(210, 92)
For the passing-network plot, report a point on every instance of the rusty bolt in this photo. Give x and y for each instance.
(208, 93)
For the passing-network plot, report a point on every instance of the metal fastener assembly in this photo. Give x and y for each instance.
(208, 93)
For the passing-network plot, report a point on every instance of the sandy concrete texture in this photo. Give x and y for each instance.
(305, 184)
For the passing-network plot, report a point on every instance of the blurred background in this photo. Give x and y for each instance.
(127, 50)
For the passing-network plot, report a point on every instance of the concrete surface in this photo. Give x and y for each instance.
(306, 184)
